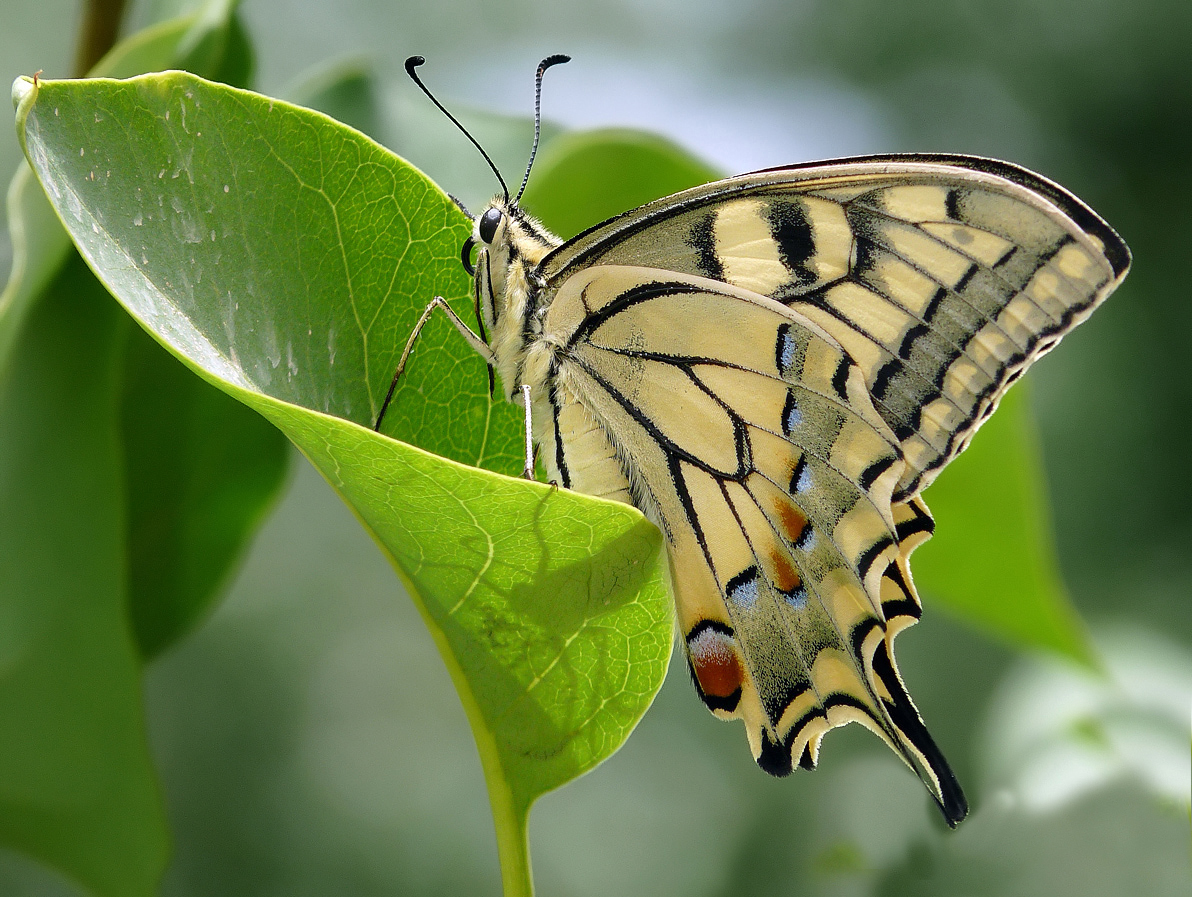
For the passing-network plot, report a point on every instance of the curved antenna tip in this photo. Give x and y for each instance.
(542, 67)
(412, 63)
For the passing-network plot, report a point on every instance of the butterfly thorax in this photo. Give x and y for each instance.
(510, 292)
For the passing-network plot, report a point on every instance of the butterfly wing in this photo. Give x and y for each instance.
(942, 277)
(746, 433)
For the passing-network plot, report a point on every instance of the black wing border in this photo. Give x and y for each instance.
(560, 262)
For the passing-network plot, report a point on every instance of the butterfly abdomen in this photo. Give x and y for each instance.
(584, 457)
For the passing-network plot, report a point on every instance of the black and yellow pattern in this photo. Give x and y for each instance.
(748, 435)
(943, 277)
(772, 368)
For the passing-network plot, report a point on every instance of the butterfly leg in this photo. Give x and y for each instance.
(479, 345)
(528, 470)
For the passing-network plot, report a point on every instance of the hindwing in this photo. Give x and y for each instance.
(746, 432)
(942, 277)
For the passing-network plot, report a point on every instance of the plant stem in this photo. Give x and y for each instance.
(101, 26)
(513, 845)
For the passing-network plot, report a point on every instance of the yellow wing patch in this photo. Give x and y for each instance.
(747, 434)
(943, 278)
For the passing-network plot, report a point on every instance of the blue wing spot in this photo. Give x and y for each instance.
(784, 350)
(806, 539)
(742, 589)
(800, 478)
(796, 598)
(792, 415)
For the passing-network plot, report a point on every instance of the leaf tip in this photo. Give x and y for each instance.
(24, 91)
(24, 94)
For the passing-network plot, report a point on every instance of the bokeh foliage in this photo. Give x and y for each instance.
(258, 798)
(129, 493)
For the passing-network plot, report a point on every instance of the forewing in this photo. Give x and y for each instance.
(747, 434)
(942, 277)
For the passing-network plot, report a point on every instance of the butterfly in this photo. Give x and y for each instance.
(772, 368)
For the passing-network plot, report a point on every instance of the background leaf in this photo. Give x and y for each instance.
(200, 473)
(992, 560)
(76, 786)
(119, 561)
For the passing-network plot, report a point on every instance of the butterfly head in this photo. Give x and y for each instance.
(509, 244)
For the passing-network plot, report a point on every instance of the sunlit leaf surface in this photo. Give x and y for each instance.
(285, 258)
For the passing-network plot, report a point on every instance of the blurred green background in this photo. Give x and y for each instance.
(307, 736)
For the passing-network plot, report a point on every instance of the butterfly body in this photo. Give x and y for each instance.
(772, 368)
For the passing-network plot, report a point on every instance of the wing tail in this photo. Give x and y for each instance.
(915, 743)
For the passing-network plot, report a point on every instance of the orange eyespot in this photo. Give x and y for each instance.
(715, 662)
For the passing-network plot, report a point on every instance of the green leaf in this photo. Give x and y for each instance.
(347, 90)
(583, 178)
(215, 45)
(77, 788)
(550, 608)
(192, 507)
(285, 258)
(200, 473)
(40, 245)
(992, 561)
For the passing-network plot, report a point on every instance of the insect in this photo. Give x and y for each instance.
(772, 368)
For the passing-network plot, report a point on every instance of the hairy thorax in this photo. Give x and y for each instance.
(512, 262)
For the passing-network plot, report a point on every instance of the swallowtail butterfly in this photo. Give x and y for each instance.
(772, 368)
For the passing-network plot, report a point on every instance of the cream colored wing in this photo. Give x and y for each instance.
(747, 434)
(942, 277)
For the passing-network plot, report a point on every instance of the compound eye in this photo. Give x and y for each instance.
(488, 224)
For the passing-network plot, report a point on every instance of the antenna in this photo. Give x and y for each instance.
(542, 67)
(414, 61)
